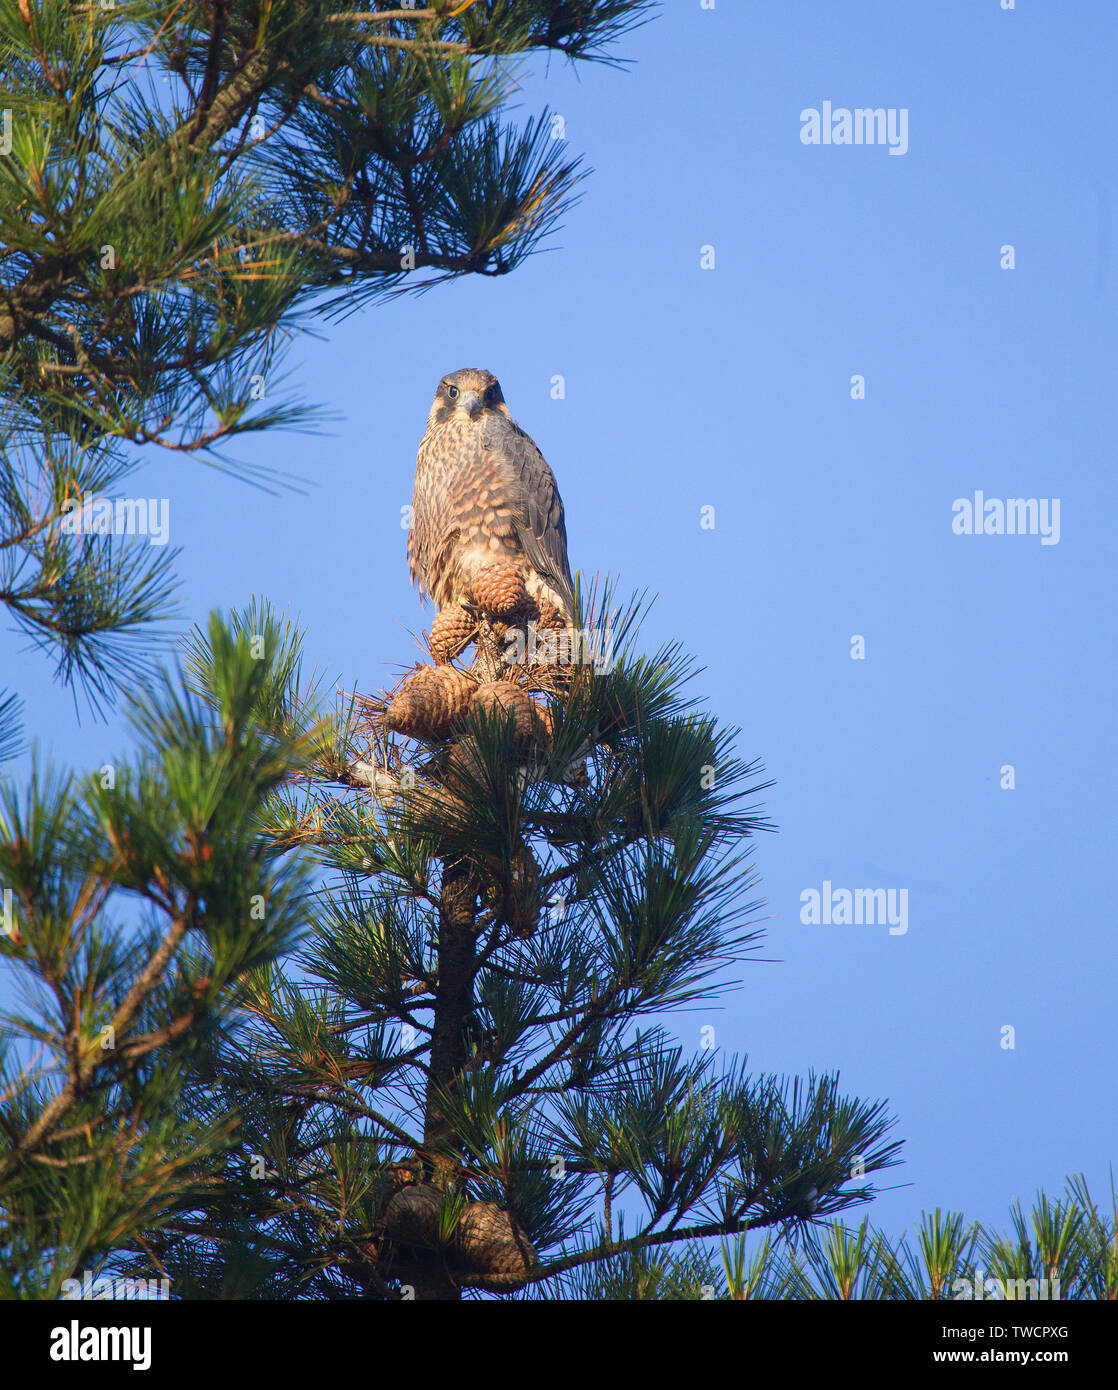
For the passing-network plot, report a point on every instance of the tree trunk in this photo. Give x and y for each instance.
(430, 1282)
(455, 999)
(453, 1006)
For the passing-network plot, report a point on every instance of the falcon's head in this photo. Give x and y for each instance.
(467, 394)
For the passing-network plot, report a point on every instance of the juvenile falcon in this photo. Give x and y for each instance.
(484, 493)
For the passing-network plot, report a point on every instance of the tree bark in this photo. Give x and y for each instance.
(455, 1000)
(431, 1283)
(453, 1007)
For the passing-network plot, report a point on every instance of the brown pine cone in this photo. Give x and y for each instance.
(520, 617)
(498, 589)
(504, 695)
(463, 770)
(487, 1239)
(490, 1242)
(521, 904)
(412, 1215)
(430, 702)
(554, 648)
(550, 617)
(451, 633)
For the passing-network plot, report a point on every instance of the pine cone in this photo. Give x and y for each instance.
(521, 904)
(550, 617)
(430, 702)
(451, 633)
(462, 770)
(490, 1242)
(555, 646)
(486, 1241)
(526, 612)
(412, 1215)
(544, 616)
(504, 695)
(498, 589)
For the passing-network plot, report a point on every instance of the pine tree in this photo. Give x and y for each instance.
(464, 1082)
(137, 903)
(1064, 1250)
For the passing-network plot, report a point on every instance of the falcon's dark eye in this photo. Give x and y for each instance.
(490, 394)
(452, 392)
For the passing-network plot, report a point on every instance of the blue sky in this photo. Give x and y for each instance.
(731, 388)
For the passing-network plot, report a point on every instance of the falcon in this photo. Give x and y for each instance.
(483, 494)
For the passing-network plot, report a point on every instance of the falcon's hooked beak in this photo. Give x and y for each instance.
(471, 403)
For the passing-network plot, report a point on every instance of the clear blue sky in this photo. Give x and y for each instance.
(730, 388)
